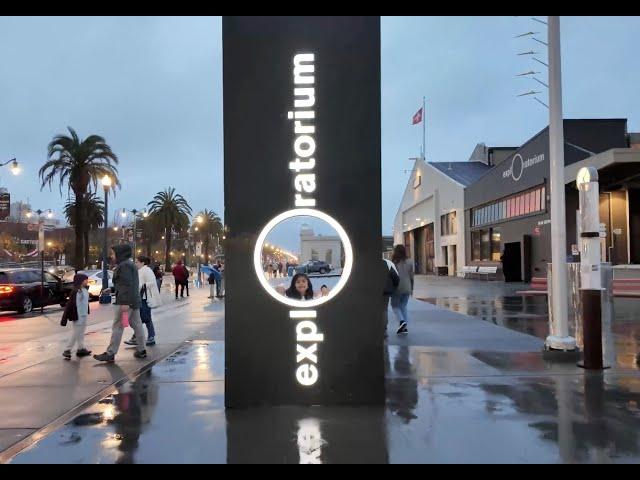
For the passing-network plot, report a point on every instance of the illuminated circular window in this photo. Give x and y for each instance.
(282, 268)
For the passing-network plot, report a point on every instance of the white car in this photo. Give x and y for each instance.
(95, 281)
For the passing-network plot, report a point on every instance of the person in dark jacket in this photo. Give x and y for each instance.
(128, 301)
(77, 311)
(391, 282)
(181, 276)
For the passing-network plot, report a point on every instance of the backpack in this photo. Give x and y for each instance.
(392, 279)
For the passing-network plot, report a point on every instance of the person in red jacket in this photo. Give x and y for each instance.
(181, 277)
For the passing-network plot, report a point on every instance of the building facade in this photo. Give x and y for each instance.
(429, 221)
(506, 211)
(326, 248)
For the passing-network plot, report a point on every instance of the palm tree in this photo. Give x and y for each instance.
(209, 225)
(171, 212)
(93, 210)
(78, 164)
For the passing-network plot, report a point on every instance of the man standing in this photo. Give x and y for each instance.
(180, 277)
(127, 312)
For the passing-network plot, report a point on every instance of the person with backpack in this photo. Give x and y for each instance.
(77, 311)
(149, 297)
(400, 298)
(391, 282)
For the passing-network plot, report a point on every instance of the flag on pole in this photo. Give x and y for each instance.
(417, 118)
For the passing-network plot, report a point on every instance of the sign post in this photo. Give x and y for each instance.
(302, 139)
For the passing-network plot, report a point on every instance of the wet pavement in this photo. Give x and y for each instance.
(499, 304)
(459, 390)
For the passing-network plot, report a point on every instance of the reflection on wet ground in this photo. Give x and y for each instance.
(497, 303)
(443, 405)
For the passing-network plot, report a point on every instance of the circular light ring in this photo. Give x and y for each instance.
(348, 257)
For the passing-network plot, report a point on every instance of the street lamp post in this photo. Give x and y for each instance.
(41, 245)
(105, 297)
(135, 213)
(15, 166)
(559, 338)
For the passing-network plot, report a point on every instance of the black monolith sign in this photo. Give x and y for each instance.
(302, 139)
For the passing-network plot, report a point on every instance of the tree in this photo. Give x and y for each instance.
(209, 226)
(93, 210)
(171, 212)
(78, 164)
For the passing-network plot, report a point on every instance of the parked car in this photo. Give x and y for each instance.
(21, 290)
(314, 266)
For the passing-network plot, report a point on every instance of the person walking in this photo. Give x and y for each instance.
(215, 280)
(179, 278)
(127, 311)
(158, 273)
(391, 282)
(403, 292)
(149, 298)
(77, 311)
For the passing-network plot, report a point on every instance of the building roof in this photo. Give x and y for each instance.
(465, 173)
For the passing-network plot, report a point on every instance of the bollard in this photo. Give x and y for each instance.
(592, 329)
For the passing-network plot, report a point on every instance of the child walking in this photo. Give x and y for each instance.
(77, 311)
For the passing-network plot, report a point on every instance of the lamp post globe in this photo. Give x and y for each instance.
(105, 297)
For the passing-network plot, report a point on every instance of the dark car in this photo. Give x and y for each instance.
(21, 290)
(314, 266)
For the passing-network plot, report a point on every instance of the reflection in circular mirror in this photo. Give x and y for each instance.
(303, 258)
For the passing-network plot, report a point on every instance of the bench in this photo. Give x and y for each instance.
(486, 271)
(467, 270)
(538, 287)
(626, 287)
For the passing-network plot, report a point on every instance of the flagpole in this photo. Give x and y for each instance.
(424, 129)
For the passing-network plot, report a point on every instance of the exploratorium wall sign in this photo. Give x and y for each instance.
(302, 139)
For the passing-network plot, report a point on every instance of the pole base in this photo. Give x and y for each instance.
(105, 299)
(564, 344)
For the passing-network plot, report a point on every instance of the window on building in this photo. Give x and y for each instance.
(496, 244)
(448, 224)
(475, 245)
(485, 245)
(328, 256)
(314, 254)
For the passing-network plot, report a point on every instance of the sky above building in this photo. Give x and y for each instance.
(152, 86)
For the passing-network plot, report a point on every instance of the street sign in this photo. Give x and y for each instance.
(5, 205)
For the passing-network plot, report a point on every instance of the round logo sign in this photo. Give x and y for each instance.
(346, 270)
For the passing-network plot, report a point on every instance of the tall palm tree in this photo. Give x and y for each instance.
(209, 225)
(93, 211)
(78, 164)
(171, 211)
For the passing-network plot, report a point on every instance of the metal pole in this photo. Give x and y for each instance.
(41, 242)
(424, 128)
(105, 298)
(135, 219)
(558, 308)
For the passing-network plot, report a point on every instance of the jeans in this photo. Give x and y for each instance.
(399, 305)
(145, 316)
(117, 330)
(181, 286)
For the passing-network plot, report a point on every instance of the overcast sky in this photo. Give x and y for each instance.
(152, 87)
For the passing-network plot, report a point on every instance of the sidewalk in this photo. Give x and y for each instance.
(459, 390)
(37, 386)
